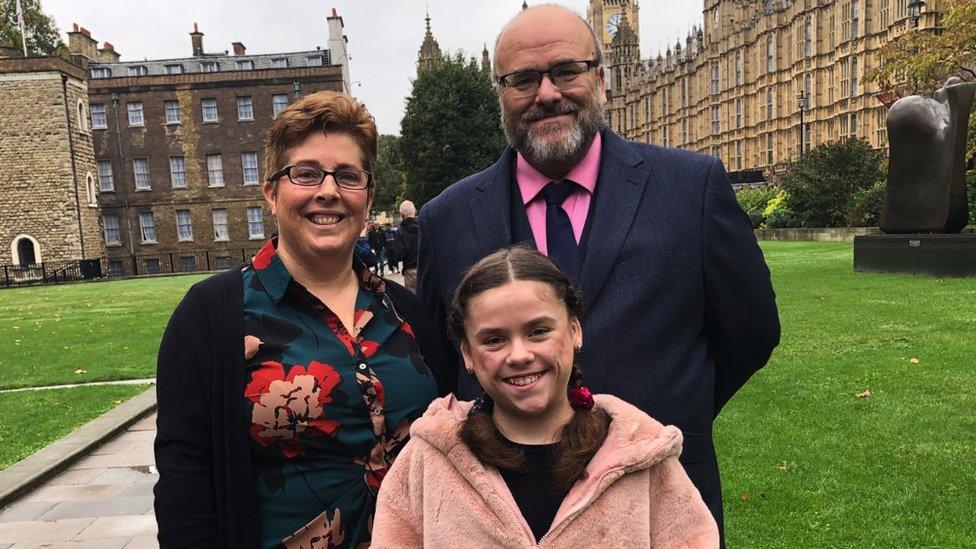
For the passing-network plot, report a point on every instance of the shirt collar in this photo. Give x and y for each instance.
(275, 277)
(584, 174)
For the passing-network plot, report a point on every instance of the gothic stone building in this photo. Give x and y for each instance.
(179, 145)
(48, 205)
(733, 88)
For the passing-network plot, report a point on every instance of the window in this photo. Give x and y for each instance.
(90, 190)
(215, 170)
(135, 114)
(313, 61)
(245, 65)
(249, 161)
(174, 69)
(138, 70)
(151, 266)
(115, 267)
(223, 262)
(98, 116)
(808, 89)
(147, 226)
(770, 55)
(853, 125)
(172, 109)
(715, 83)
(853, 76)
(184, 226)
(141, 168)
(855, 19)
(885, 19)
(279, 63)
(845, 76)
(769, 149)
(255, 223)
(82, 119)
(101, 72)
(808, 38)
(188, 263)
(221, 231)
(245, 108)
(209, 66)
(278, 103)
(716, 124)
(106, 183)
(738, 155)
(209, 110)
(807, 137)
(770, 110)
(177, 172)
(738, 113)
(739, 68)
(110, 229)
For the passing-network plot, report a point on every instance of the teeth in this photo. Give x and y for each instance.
(523, 380)
(323, 219)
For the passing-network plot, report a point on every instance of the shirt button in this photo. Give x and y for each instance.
(362, 366)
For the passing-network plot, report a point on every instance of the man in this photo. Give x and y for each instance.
(389, 234)
(377, 241)
(680, 310)
(405, 247)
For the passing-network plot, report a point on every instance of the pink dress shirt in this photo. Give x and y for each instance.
(577, 204)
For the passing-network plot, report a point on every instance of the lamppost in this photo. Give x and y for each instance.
(915, 11)
(801, 100)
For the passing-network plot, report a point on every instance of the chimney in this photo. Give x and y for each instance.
(238, 48)
(107, 53)
(81, 43)
(196, 39)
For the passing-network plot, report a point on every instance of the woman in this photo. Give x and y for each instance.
(287, 388)
(537, 460)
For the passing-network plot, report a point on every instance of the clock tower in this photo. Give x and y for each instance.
(605, 17)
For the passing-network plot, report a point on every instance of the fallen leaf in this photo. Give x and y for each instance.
(783, 467)
(913, 360)
(863, 394)
(744, 496)
(79, 371)
(118, 402)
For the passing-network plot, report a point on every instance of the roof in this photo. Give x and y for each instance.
(224, 62)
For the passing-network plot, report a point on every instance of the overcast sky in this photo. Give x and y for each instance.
(384, 35)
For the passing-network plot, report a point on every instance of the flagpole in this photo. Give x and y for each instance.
(23, 30)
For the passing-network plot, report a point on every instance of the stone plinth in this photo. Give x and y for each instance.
(942, 255)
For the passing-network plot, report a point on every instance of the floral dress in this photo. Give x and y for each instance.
(328, 410)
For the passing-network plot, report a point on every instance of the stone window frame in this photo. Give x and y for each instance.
(147, 227)
(141, 175)
(716, 120)
(224, 223)
(102, 180)
(84, 126)
(133, 107)
(138, 70)
(108, 232)
(184, 226)
(90, 191)
(175, 68)
(314, 60)
(101, 72)
(254, 168)
(102, 116)
(255, 221)
(209, 66)
(167, 111)
(215, 170)
(853, 76)
(245, 65)
(279, 63)
(177, 172)
(15, 253)
(245, 108)
(208, 103)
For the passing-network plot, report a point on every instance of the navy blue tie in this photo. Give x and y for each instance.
(559, 230)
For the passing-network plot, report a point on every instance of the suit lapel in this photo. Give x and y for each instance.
(490, 208)
(623, 177)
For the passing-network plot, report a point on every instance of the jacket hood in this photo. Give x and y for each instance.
(635, 440)
(410, 225)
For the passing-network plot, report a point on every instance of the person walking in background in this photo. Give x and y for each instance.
(406, 244)
(389, 235)
(681, 311)
(377, 241)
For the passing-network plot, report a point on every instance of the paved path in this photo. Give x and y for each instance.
(103, 501)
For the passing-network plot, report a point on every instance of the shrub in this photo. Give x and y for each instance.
(754, 202)
(779, 213)
(971, 180)
(867, 206)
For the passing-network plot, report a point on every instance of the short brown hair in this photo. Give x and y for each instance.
(325, 111)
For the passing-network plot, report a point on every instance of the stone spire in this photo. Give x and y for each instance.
(430, 51)
(485, 61)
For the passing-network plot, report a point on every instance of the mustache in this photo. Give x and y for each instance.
(545, 111)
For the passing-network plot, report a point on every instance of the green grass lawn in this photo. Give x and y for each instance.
(805, 462)
(31, 420)
(101, 330)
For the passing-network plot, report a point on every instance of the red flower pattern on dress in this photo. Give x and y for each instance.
(380, 459)
(289, 407)
(406, 327)
(368, 347)
(322, 533)
(262, 259)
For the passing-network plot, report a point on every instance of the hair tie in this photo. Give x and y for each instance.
(580, 398)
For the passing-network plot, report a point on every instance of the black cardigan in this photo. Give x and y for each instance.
(205, 493)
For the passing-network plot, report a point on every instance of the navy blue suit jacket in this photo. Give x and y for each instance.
(680, 311)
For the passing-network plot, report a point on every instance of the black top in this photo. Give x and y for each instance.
(532, 488)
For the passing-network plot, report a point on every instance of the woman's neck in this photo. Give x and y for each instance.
(325, 274)
(533, 429)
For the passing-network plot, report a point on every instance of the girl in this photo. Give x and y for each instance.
(537, 460)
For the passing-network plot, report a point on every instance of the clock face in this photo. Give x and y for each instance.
(613, 24)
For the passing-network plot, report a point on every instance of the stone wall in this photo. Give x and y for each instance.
(841, 234)
(44, 193)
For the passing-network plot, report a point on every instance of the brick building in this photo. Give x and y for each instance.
(48, 203)
(733, 88)
(179, 146)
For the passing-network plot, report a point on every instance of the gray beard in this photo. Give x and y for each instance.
(591, 119)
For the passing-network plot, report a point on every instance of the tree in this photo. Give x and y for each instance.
(43, 37)
(828, 183)
(388, 175)
(450, 129)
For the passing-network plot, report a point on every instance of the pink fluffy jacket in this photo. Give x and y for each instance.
(634, 492)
